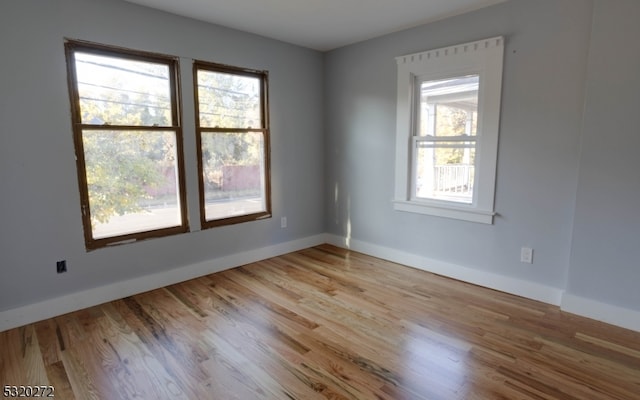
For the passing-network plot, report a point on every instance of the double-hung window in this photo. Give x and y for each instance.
(232, 134)
(447, 130)
(128, 141)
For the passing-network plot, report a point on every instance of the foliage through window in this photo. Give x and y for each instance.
(128, 143)
(233, 144)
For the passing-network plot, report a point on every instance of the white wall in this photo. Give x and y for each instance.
(40, 219)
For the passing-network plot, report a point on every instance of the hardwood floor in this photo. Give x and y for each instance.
(323, 323)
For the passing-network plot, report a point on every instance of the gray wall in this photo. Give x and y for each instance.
(568, 167)
(544, 74)
(40, 219)
(606, 238)
(567, 181)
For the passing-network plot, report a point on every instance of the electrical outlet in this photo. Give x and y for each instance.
(526, 255)
(283, 222)
(61, 266)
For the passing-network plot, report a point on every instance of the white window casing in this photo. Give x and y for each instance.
(483, 58)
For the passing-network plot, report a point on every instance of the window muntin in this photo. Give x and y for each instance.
(444, 170)
(128, 143)
(233, 144)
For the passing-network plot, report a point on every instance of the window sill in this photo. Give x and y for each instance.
(445, 210)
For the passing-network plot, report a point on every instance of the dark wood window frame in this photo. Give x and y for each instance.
(73, 46)
(263, 129)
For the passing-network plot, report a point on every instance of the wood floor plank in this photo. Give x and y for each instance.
(324, 323)
(181, 373)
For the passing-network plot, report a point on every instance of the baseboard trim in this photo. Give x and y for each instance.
(622, 317)
(614, 315)
(20, 316)
(530, 290)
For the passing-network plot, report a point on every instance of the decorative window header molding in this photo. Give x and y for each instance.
(460, 49)
(483, 59)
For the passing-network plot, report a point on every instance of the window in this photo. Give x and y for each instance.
(232, 135)
(128, 143)
(447, 130)
(445, 139)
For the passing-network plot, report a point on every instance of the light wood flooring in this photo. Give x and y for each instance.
(323, 323)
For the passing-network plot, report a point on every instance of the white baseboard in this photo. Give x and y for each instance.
(614, 315)
(530, 290)
(626, 318)
(622, 317)
(87, 298)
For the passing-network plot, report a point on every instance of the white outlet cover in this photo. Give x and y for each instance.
(526, 255)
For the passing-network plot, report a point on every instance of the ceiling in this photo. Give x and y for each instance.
(318, 24)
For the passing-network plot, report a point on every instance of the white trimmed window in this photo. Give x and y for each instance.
(448, 116)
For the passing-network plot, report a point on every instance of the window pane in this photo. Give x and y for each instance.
(228, 100)
(132, 181)
(119, 91)
(233, 174)
(445, 170)
(449, 107)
